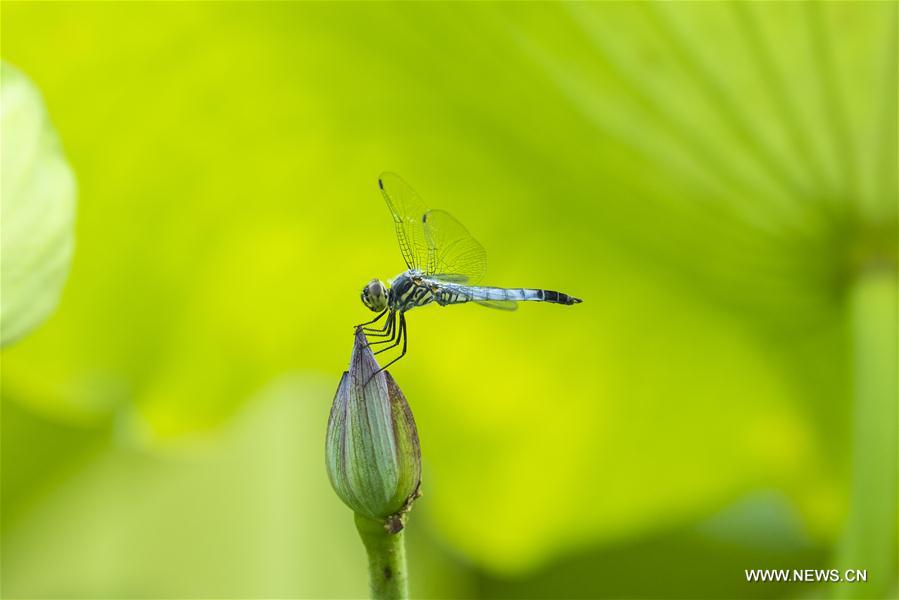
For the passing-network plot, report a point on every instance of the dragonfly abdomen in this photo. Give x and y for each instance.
(554, 297)
(533, 295)
(460, 294)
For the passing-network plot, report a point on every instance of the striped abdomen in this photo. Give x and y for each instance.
(457, 294)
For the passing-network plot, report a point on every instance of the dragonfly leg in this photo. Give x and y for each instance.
(396, 339)
(402, 336)
(391, 334)
(375, 320)
(387, 329)
(381, 329)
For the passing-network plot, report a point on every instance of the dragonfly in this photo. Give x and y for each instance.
(444, 265)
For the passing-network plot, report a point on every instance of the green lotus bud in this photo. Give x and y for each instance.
(37, 210)
(372, 449)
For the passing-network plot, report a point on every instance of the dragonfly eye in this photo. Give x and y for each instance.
(374, 295)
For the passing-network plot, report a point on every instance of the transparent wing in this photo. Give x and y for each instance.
(453, 255)
(498, 304)
(408, 210)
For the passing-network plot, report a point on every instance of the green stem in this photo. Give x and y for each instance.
(869, 540)
(386, 559)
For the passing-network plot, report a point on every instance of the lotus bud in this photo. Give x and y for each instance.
(372, 450)
(37, 208)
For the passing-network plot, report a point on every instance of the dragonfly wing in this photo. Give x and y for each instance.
(453, 255)
(449, 278)
(498, 304)
(408, 211)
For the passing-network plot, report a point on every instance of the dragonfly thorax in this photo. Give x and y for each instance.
(408, 290)
(374, 295)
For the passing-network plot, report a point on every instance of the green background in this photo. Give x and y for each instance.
(717, 182)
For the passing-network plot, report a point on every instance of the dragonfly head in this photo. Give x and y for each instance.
(374, 295)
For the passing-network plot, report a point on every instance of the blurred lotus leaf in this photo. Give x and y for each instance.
(37, 208)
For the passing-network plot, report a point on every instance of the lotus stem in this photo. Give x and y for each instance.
(869, 540)
(386, 558)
